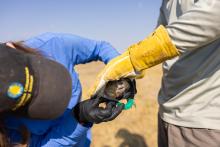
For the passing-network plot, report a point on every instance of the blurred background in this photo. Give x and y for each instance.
(120, 22)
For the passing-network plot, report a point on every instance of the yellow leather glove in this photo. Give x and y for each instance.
(151, 51)
(119, 67)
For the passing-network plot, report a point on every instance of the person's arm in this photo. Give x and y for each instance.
(73, 49)
(66, 133)
(197, 27)
(84, 50)
(70, 130)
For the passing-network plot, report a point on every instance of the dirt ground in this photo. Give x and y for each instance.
(136, 127)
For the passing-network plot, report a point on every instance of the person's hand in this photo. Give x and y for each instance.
(118, 68)
(90, 111)
(153, 50)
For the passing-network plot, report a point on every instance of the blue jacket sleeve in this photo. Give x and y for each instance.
(67, 133)
(86, 50)
(75, 49)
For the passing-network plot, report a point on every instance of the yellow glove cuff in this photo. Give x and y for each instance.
(153, 50)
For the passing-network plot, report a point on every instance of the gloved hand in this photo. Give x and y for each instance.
(117, 90)
(147, 53)
(118, 68)
(89, 111)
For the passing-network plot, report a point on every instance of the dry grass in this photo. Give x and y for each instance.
(133, 128)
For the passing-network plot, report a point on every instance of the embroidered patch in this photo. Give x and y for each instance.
(15, 90)
(27, 89)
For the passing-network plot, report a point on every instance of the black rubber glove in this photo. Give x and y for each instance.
(89, 111)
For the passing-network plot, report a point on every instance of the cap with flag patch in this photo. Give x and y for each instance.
(32, 86)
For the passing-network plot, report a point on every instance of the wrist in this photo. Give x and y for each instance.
(79, 115)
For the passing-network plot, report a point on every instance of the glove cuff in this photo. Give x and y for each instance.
(153, 50)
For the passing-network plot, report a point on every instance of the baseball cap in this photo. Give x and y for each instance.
(32, 85)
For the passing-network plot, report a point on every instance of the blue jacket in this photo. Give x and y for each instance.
(69, 50)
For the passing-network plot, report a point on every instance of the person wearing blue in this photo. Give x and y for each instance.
(66, 130)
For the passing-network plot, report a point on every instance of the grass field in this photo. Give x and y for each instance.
(133, 128)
